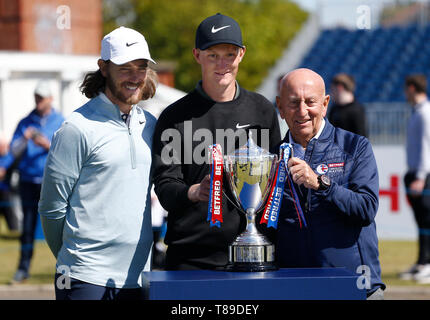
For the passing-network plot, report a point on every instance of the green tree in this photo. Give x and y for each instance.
(169, 27)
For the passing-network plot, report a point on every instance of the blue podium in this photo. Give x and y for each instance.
(284, 284)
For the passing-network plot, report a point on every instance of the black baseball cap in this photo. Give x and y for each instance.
(218, 29)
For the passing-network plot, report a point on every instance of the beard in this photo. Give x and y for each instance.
(115, 89)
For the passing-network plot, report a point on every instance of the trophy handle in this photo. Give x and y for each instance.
(273, 182)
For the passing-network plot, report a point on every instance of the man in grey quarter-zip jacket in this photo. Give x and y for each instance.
(95, 199)
(337, 185)
(417, 178)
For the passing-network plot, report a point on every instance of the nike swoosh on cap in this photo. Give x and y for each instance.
(130, 44)
(215, 30)
(242, 126)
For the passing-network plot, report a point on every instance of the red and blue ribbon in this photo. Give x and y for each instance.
(273, 206)
(297, 205)
(215, 193)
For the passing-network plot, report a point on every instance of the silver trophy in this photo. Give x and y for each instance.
(250, 171)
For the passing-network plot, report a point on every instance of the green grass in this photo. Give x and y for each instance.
(395, 256)
(42, 265)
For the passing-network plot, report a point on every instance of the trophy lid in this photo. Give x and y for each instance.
(250, 149)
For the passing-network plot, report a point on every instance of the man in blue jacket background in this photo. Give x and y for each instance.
(336, 179)
(30, 144)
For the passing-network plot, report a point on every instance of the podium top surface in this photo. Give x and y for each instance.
(195, 275)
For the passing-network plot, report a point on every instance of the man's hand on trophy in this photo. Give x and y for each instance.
(302, 173)
(200, 191)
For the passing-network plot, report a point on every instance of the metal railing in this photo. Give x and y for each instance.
(387, 122)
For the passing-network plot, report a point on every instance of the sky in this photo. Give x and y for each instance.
(336, 12)
(345, 12)
(309, 5)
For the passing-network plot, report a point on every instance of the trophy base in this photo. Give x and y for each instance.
(250, 267)
(251, 258)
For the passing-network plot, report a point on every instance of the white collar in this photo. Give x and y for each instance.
(314, 137)
(320, 130)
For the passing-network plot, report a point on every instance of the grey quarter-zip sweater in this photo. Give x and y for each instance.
(97, 183)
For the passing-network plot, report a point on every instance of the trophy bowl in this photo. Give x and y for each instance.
(250, 171)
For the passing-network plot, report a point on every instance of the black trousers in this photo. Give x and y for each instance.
(71, 289)
(8, 209)
(29, 194)
(421, 207)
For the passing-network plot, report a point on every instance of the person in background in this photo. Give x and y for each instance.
(346, 113)
(336, 179)
(159, 216)
(95, 203)
(30, 144)
(217, 104)
(283, 127)
(417, 178)
(7, 207)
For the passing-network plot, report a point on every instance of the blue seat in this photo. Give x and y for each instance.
(378, 59)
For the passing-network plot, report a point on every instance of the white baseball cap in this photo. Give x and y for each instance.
(123, 45)
(43, 89)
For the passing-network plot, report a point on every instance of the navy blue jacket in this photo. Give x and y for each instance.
(341, 230)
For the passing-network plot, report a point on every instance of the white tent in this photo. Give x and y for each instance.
(20, 71)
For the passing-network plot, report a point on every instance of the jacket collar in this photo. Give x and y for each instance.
(112, 111)
(327, 131)
(324, 135)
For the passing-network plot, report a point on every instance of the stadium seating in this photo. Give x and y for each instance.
(379, 59)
